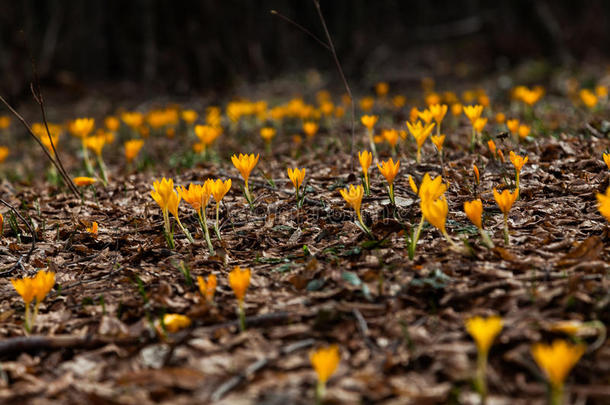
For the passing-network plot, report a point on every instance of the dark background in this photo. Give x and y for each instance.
(191, 46)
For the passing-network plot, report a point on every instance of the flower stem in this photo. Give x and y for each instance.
(473, 139)
(556, 394)
(27, 324)
(169, 236)
(206, 232)
(185, 231)
(216, 227)
(320, 392)
(367, 187)
(480, 380)
(242, 316)
(372, 142)
(415, 238)
(248, 195)
(486, 239)
(366, 229)
(88, 167)
(102, 166)
(391, 193)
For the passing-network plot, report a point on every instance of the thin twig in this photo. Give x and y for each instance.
(37, 94)
(258, 365)
(329, 46)
(16, 345)
(299, 26)
(33, 245)
(340, 69)
(27, 126)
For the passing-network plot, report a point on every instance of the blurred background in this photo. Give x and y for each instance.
(192, 47)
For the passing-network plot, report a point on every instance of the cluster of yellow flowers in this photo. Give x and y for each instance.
(555, 360)
(197, 196)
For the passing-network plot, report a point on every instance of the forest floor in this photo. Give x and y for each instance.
(316, 277)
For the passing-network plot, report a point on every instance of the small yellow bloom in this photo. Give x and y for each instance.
(26, 288)
(132, 148)
(267, 133)
(133, 120)
(601, 91)
(366, 103)
(606, 157)
(603, 204)
(412, 184)
(207, 289)
(174, 322)
(197, 195)
(93, 228)
(369, 121)
(310, 128)
(162, 192)
(96, 143)
(517, 161)
(450, 97)
(426, 116)
(430, 189)
(438, 112)
(245, 164)
(189, 116)
(484, 331)
(83, 181)
(473, 112)
(479, 124)
(492, 147)
(112, 123)
(420, 132)
(513, 125)
(4, 151)
(382, 89)
(500, 118)
(435, 212)
(239, 280)
(557, 359)
(353, 197)
(389, 169)
(413, 115)
(524, 131)
(81, 127)
(399, 101)
(456, 109)
(477, 175)
(220, 189)
(366, 158)
(5, 121)
(588, 98)
(44, 282)
(438, 141)
(501, 155)
(327, 108)
(296, 176)
(505, 200)
(432, 98)
(207, 134)
(528, 96)
(474, 211)
(325, 362)
(391, 136)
